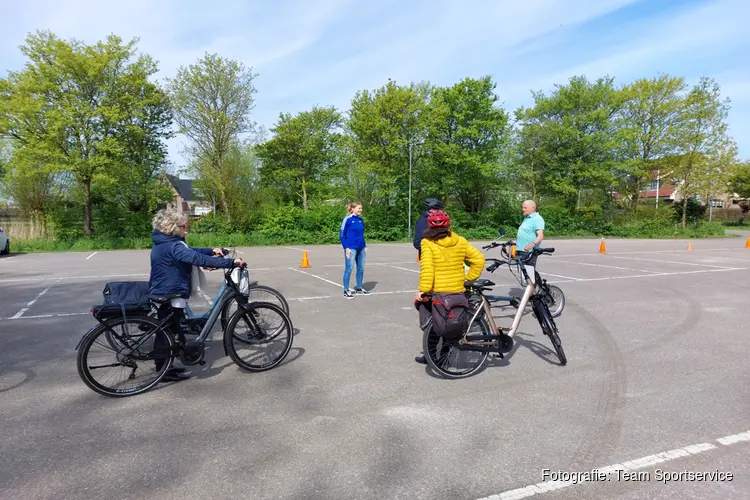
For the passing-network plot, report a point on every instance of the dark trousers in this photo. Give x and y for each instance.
(174, 326)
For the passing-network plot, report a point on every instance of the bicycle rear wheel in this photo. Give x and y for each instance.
(549, 328)
(124, 347)
(262, 332)
(451, 360)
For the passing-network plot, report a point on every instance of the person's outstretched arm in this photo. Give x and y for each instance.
(476, 261)
(185, 254)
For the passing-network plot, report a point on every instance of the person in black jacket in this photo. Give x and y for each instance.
(429, 204)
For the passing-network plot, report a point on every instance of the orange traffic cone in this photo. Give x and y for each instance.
(602, 247)
(690, 247)
(305, 261)
(747, 243)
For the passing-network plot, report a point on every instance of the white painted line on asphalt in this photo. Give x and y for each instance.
(7, 258)
(405, 269)
(87, 258)
(206, 297)
(735, 438)
(58, 315)
(672, 262)
(9, 280)
(20, 313)
(731, 258)
(676, 273)
(602, 265)
(315, 276)
(564, 277)
(564, 479)
(295, 248)
(676, 250)
(319, 297)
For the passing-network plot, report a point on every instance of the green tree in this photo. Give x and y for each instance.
(739, 180)
(212, 100)
(78, 107)
(718, 170)
(739, 183)
(383, 124)
(300, 159)
(650, 119)
(699, 139)
(575, 136)
(33, 184)
(465, 133)
(242, 171)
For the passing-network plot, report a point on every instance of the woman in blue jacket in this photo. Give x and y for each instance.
(172, 263)
(352, 235)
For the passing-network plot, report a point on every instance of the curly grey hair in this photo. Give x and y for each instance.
(168, 222)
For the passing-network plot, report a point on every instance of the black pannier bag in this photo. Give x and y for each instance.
(451, 314)
(123, 297)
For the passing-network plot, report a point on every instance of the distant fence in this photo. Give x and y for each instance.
(19, 227)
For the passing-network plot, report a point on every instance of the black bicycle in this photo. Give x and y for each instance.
(552, 294)
(131, 343)
(483, 336)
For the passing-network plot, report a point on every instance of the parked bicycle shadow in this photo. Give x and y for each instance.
(217, 361)
(521, 339)
(370, 285)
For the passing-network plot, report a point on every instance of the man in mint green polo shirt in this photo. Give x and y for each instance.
(531, 232)
(530, 235)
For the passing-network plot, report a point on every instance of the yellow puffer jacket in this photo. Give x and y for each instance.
(442, 264)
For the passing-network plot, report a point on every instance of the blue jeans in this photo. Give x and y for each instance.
(358, 256)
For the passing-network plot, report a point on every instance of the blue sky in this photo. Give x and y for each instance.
(323, 51)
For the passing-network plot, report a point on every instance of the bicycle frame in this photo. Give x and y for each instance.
(189, 315)
(487, 309)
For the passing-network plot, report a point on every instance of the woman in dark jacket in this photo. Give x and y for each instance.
(172, 263)
(429, 204)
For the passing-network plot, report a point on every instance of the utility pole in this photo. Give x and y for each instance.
(658, 172)
(409, 208)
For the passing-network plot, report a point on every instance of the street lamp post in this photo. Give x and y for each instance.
(409, 207)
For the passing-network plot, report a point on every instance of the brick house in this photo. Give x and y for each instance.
(185, 198)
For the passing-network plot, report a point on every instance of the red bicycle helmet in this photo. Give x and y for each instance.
(438, 218)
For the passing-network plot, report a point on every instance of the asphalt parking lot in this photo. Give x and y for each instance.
(657, 379)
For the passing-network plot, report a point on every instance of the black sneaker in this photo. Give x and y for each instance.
(420, 360)
(361, 291)
(348, 294)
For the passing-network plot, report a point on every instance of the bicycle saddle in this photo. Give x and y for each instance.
(481, 283)
(163, 298)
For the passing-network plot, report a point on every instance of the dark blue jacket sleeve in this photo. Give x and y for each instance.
(189, 256)
(204, 251)
(419, 230)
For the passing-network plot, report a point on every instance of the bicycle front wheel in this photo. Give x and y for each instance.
(124, 357)
(555, 299)
(549, 328)
(259, 336)
(257, 293)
